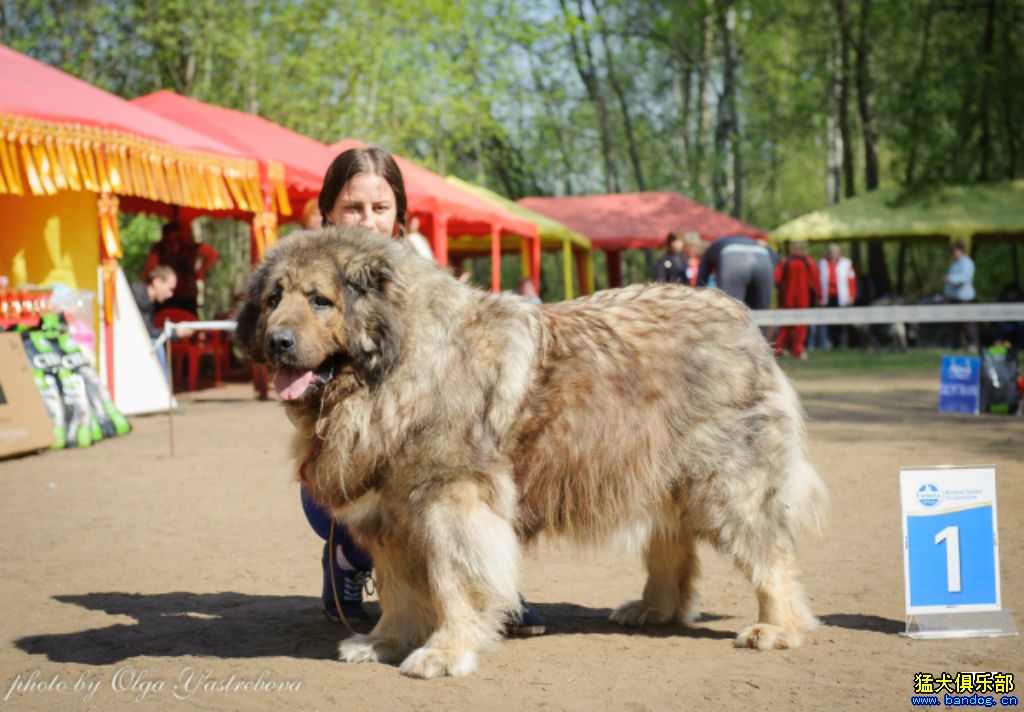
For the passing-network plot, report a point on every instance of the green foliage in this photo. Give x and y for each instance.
(489, 90)
(229, 276)
(138, 234)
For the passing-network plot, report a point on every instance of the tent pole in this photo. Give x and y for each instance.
(535, 263)
(495, 259)
(440, 239)
(614, 258)
(588, 267)
(581, 272)
(170, 391)
(567, 269)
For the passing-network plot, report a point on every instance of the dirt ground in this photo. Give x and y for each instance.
(131, 578)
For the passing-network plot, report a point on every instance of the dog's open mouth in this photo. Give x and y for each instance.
(292, 383)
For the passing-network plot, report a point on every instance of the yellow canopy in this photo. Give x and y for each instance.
(954, 211)
(554, 235)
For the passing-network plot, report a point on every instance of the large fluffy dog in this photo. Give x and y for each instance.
(446, 426)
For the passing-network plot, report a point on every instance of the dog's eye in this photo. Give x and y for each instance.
(319, 301)
(274, 300)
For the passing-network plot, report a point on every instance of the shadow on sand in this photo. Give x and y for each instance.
(857, 621)
(237, 625)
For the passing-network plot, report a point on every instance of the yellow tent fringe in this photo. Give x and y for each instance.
(101, 168)
(52, 157)
(264, 227)
(92, 179)
(59, 179)
(34, 183)
(124, 172)
(67, 154)
(275, 174)
(9, 164)
(42, 168)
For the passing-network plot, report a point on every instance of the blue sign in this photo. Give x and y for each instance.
(960, 384)
(951, 550)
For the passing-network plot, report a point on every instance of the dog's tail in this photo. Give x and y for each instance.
(806, 495)
(808, 498)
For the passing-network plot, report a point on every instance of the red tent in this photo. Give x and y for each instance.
(67, 125)
(447, 211)
(63, 140)
(294, 163)
(627, 221)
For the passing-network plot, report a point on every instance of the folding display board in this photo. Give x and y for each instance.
(951, 553)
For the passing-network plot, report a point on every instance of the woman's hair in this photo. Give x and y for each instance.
(372, 160)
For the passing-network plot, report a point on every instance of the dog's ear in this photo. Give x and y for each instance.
(370, 276)
(247, 335)
(376, 344)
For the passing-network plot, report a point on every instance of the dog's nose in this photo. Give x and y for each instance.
(281, 340)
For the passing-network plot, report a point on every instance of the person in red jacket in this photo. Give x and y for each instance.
(797, 280)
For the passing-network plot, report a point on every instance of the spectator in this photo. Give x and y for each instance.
(838, 284)
(797, 280)
(693, 248)
(190, 260)
(417, 240)
(743, 268)
(959, 289)
(157, 288)
(528, 291)
(673, 266)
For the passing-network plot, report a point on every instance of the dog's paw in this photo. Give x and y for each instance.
(639, 613)
(358, 649)
(765, 636)
(427, 663)
(690, 611)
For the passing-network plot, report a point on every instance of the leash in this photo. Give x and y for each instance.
(331, 555)
(334, 586)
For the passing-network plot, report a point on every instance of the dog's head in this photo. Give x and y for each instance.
(321, 309)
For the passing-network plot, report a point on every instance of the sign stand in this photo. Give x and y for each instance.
(960, 384)
(951, 553)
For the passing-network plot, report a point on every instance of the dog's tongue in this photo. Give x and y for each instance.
(291, 384)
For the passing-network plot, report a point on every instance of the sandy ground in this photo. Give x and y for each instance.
(126, 571)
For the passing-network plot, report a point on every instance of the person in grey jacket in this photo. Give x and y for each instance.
(959, 289)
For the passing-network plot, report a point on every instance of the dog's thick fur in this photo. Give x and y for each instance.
(458, 424)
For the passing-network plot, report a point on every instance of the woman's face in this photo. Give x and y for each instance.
(368, 201)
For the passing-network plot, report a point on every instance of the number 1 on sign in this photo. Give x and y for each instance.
(951, 535)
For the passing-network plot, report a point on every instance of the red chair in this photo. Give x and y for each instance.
(193, 348)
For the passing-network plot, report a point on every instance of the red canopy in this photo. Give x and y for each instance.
(31, 88)
(69, 135)
(445, 210)
(626, 221)
(303, 159)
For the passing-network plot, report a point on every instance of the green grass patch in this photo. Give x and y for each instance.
(854, 361)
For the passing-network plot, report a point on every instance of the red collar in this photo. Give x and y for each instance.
(317, 446)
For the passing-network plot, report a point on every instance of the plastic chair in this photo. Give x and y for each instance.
(193, 348)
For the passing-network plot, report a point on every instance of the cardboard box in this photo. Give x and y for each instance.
(24, 424)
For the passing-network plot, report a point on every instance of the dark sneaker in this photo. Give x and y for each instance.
(525, 622)
(350, 591)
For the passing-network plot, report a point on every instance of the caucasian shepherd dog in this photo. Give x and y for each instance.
(447, 426)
